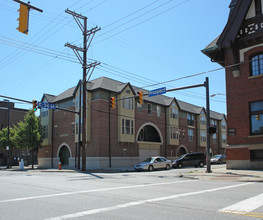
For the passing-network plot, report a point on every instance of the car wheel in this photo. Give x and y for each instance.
(167, 167)
(219, 162)
(201, 164)
(180, 165)
(150, 168)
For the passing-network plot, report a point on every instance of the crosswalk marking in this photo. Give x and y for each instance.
(246, 206)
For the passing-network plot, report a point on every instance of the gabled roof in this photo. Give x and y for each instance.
(184, 106)
(50, 98)
(235, 20)
(115, 86)
(216, 115)
(65, 95)
(237, 14)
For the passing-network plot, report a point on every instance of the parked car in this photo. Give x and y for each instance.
(190, 159)
(219, 158)
(153, 163)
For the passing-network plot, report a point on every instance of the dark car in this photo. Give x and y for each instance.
(190, 159)
(219, 158)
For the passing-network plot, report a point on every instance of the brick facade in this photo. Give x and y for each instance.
(122, 149)
(15, 115)
(235, 51)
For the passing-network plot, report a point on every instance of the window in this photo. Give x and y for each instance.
(203, 118)
(173, 111)
(224, 138)
(149, 109)
(214, 138)
(73, 128)
(45, 131)
(213, 123)
(223, 124)
(77, 127)
(257, 65)
(127, 126)
(127, 103)
(256, 155)
(190, 134)
(174, 133)
(203, 136)
(256, 118)
(190, 119)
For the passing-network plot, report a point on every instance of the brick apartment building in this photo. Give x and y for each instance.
(128, 134)
(241, 42)
(15, 115)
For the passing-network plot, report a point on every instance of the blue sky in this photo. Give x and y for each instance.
(143, 42)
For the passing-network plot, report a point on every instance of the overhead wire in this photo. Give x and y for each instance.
(140, 22)
(104, 67)
(104, 63)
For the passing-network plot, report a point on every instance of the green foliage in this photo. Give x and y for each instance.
(28, 133)
(4, 137)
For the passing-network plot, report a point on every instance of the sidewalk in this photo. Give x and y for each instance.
(218, 173)
(224, 174)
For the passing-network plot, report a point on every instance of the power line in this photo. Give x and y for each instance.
(141, 22)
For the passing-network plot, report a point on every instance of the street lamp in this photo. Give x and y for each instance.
(213, 95)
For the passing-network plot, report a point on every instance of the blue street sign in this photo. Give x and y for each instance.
(159, 91)
(46, 105)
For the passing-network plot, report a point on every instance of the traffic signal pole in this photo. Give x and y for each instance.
(208, 164)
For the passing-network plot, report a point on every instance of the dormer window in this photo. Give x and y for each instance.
(257, 65)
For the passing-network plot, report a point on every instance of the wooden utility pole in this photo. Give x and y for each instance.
(87, 38)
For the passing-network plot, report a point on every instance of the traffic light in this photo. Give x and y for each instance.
(23, 19)
(140, 97)
(34, 105)
(112, 103)
(257, 118)
(212, 130)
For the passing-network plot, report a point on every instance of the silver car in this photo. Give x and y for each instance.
(153, 163)
(220, 158)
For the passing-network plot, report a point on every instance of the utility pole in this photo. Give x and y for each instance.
(87, 38)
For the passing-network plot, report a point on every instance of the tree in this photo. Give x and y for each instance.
(28, 134)
(4, 141)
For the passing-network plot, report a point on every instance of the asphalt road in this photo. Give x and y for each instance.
(133, 195)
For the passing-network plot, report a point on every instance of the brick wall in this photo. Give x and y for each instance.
(240, 92)
(238, 154)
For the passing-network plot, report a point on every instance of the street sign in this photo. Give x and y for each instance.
(46, 105)
(159, 91)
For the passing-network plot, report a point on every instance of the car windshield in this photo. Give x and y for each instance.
(216, 156)
(182, 156)
(148, 159)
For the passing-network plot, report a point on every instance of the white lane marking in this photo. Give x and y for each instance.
(93, 190)
(245, 206)
(129, 204)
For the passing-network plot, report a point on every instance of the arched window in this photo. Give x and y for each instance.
(257, 65)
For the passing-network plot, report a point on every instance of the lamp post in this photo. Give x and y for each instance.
(8, 142)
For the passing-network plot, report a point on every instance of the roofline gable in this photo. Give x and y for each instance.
(234, 23)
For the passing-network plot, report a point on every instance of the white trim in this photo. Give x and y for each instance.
(64, 144)
(243, 51)
(181, 146)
